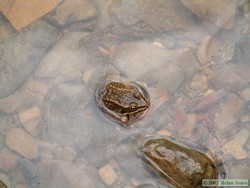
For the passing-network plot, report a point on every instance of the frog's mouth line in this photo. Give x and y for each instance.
(127, 121)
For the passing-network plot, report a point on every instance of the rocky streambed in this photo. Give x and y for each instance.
(191, 58)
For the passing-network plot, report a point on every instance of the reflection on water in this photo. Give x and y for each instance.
(191, 56)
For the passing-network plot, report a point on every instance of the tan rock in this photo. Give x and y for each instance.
(245, 94)
(12, 102)
(229, 113)
(219, 12)
(24, 12)
(5, 6)
(245, 118)
(188, 126)
(69, 154)
(108, 174)
(234, 149)
(33, 127)
(199, 86)
(242, 136)
(74, 11)
(29, 114)
(20, 141)
(208, 47)
(164, 132)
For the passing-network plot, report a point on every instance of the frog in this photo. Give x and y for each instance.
(123, 102)
(179, 165)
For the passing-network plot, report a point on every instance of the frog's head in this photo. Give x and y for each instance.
(135, 101)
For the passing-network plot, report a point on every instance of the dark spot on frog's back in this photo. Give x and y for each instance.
(124, 103)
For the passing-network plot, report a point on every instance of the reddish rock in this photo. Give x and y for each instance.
(205, 103)
(208, 47)
(21, 13)
(226, 78)
(5, 5)
(7, 159)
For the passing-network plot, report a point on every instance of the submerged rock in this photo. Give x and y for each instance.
(143, 17)
(180, 166)
(20, 141)
(29, 46)
(213, 11)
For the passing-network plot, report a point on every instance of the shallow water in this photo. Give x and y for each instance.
(195, 68)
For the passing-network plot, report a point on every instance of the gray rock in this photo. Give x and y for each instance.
(6, 30)
(67, 97)
(171, 79)
(27, 167)
(18, 140)
(63, 174)
(130, 163)
(104, 18)
(21, 54)
(67, 130)
(147, 62)
(229, 113)
(241, 50)
(239, 169)
(65, 61)
(141, 60)
(75, 14)
(213, 11)
(143, 17)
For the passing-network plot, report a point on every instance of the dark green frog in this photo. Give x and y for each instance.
(181, 167)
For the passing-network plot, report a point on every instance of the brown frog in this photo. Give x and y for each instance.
(180, 166)
(123, 102)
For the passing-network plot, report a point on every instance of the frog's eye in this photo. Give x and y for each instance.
(137, 95)
(133, 105)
